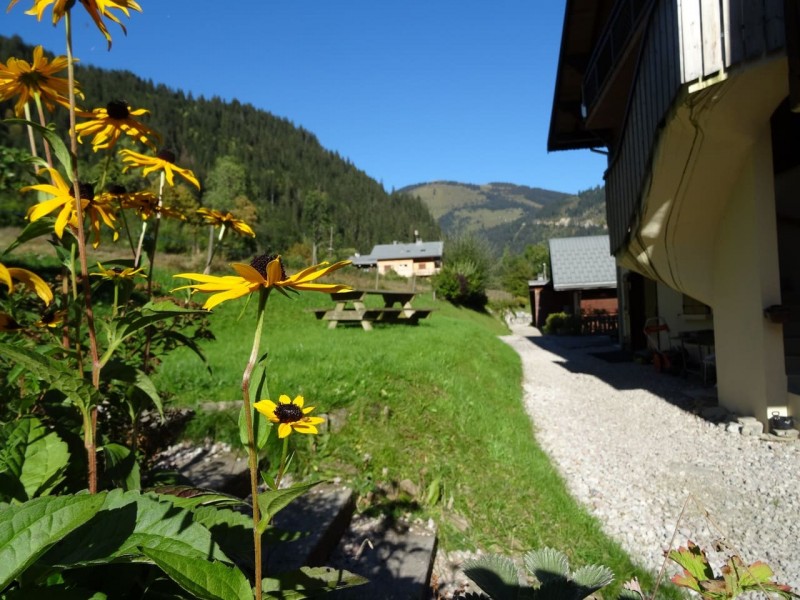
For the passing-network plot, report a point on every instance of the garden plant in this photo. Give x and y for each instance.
(75, 521)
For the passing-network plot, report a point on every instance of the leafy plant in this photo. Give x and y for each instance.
(736, 577)
(549, 574)
(562, 323)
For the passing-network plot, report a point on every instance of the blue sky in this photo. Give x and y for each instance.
(408, 90)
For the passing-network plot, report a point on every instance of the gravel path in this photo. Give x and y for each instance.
(631, 450)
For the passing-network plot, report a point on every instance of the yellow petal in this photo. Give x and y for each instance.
(267, 408)
(299, 401)
(284, 399)
(33, 282)
(5, 277)
(284, 429)
(248, 273)
(223, 296)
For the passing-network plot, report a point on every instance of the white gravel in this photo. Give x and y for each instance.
(631, 450)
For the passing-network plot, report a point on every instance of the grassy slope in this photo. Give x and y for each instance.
(441, 401)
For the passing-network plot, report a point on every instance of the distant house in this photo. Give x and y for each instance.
(584, 280)
(418, 259)
(696, 105)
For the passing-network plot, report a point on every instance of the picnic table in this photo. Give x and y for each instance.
(350, 307)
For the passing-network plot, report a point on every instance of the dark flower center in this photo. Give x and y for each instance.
(288, 413)
(167, 155)
(116, 189)
(259, 263)
(86, 190)
(118, 109)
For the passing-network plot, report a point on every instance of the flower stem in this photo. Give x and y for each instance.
(252, 452)
(89, 436)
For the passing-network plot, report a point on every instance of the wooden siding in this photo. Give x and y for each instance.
(686, 41)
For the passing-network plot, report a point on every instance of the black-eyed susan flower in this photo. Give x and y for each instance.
(25, 81)
(263, 272)
(290, 415)
(52, 319)
(98, 209)
(97, 9)
(62, 199)
(225, 220)
(118, 273)
(109, 123)
(164, 161)
(31, 280)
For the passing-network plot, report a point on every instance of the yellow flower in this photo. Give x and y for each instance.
(164, 161)
(118, 273)
(290, 414)
(52, 319)
(96, 207)
(109, 123)
(24, 80)
(97, 9)
(218, 218)
(31, 280)
(263, 272)
(62, 198)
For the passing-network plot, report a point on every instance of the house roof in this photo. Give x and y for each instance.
(400, 251)
(583, 24)
(582, 263)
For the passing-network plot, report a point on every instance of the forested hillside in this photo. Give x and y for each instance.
(511, 217)
(301, 192)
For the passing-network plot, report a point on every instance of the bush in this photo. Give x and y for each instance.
(465, 275)
(562, 323)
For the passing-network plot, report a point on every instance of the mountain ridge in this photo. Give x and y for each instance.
(511, 216)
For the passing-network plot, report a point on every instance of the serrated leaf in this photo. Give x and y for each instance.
(122, 328)
(34, 456)
(271, 502)
(137, 378)
(55, 374)
(261, 428)
(128, 522)
(590, 578)
(29, 529)
(121, 466)
(186, 496)
(309, 582)
(496, 575)
(693, 560)
(547, 565)
(60, 151)
(208, 580)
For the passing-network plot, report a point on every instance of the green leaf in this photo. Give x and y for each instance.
(272, 502)
(591, 578)
(261, 428)
(62, 154)
(38, 228)
(32, 459)
(186, 496)
(137, 378)
(496, 575)
(122, 328)
(547, 565)
(54, 373)
(128, 522)
(121, 466)
(309, 582)
(53, 592)
(209, 580)
(28, 530)
(693, 560)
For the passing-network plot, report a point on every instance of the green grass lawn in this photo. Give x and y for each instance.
(438, 404)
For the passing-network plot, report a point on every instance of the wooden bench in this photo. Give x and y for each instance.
(350, 308)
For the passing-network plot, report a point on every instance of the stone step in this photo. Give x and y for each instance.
(395, 556)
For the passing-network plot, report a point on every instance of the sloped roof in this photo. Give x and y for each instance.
(395, 251)
(582, 263)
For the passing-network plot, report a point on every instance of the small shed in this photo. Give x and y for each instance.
(583, 281)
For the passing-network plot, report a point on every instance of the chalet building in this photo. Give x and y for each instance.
(418, 259)
(695, 103)
(584, 282)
